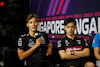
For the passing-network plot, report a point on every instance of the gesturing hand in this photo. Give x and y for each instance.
(38, 42)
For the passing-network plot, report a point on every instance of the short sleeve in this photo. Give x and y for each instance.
(60, 44)
(96, 41)
(21, 43)
(85, 43)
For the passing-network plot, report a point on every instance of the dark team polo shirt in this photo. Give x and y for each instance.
(26, 41)
(77, 44)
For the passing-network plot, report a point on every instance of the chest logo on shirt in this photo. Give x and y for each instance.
(77, 48)
(78, 41)
(66, 42)
(31, 43)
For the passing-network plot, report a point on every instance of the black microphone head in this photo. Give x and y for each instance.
(44, 35)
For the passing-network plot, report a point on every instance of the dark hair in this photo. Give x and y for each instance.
(30, 16)
(68, 20)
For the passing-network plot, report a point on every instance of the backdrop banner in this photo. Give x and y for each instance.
(52, 13)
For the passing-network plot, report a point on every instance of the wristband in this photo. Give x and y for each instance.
(72, 53)
(50, 46)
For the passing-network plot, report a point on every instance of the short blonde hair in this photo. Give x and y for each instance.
(31, 16)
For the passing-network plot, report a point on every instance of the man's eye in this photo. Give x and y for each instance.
(30, 22)
(34, 21)
(68, 27)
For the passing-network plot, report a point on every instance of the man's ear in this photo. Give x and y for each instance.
(38, 23)
(64, 27)
(75, 27)
(27, 24)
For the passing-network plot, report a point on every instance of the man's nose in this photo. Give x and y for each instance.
(70, 28)
(33, 23)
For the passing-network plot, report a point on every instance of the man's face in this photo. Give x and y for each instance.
(69, 28)
(32, 24)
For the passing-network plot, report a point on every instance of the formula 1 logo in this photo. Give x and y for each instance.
(57, 7)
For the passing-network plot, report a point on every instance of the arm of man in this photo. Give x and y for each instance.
(96, 53)
(49, 50)
(66, 55)
(24, 54)
(96, 47)
(84, 53)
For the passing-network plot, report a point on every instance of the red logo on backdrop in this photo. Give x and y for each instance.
(57, 7)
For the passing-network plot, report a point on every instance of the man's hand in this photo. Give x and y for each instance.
(49, 51)
(38, 42)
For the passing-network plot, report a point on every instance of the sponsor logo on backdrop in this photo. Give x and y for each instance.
(86, 23)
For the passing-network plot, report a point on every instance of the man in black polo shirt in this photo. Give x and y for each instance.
(73, 50)
(34, 48)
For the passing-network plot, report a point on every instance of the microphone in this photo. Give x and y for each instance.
(43, 41)
(37, 34)
(42, 35)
